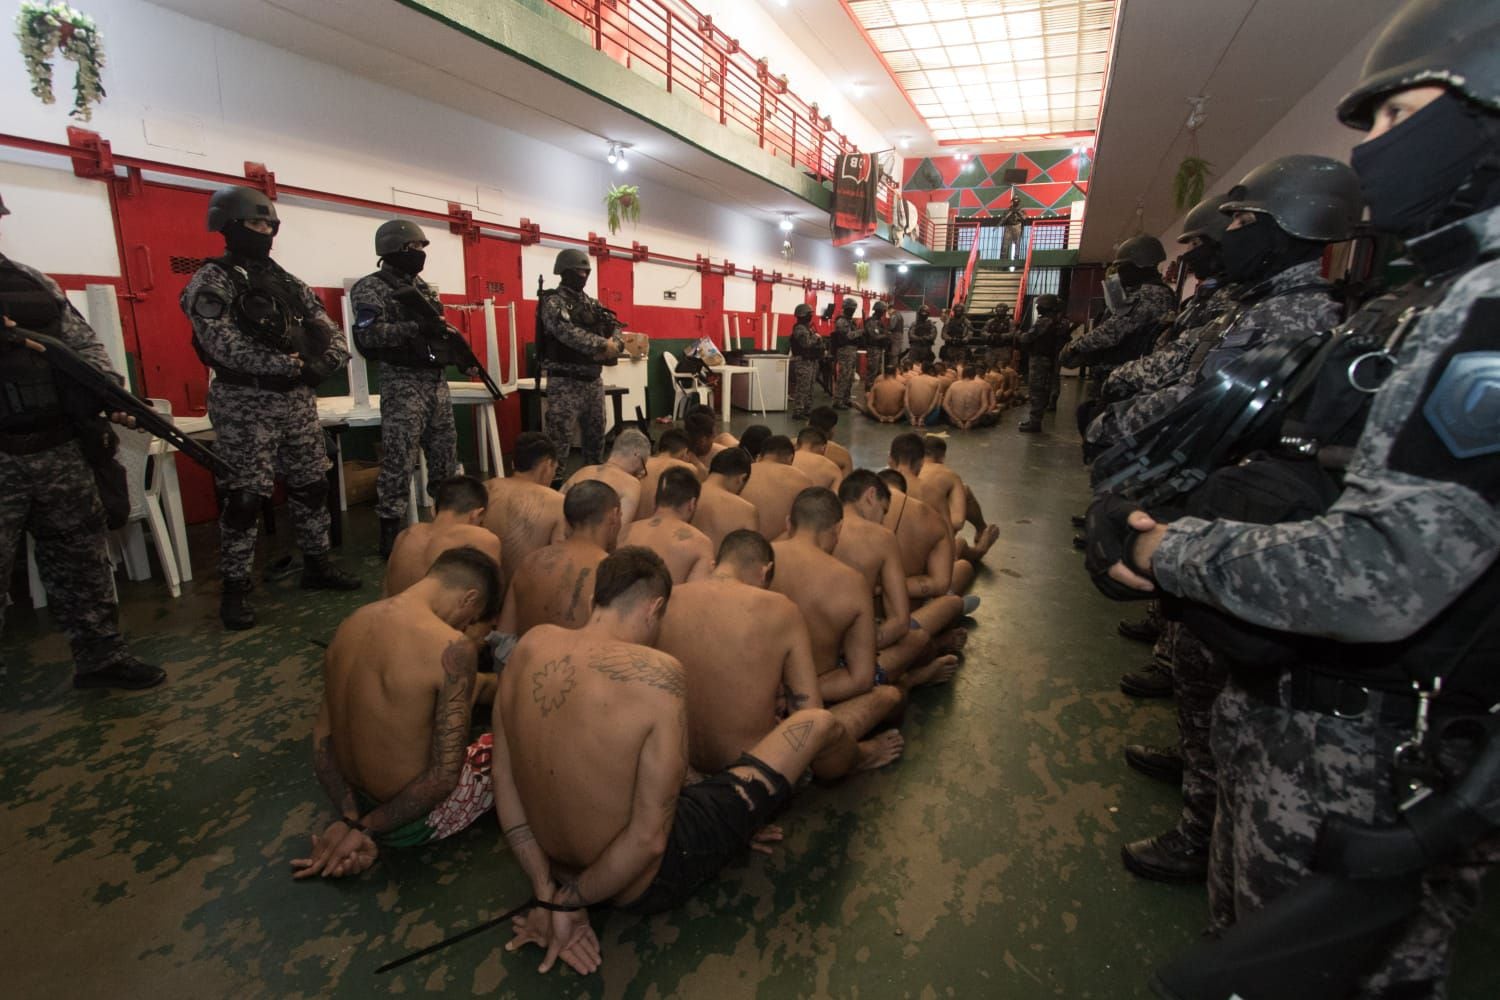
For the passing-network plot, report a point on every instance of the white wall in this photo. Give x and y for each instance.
(1309, 127)
(187, 92)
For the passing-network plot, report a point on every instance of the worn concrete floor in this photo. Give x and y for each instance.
(145, 839)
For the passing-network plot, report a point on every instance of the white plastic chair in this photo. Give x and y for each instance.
(135, 454)
(684, 387)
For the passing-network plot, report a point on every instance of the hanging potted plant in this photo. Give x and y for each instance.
(861, 273)
(624, 204)
(44, 29)
(1190, 182)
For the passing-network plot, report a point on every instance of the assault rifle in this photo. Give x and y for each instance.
(105, 395)
(461, 353)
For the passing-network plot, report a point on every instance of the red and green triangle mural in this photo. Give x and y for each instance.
(1055, 179)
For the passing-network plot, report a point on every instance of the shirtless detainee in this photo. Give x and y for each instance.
(391, 742)
(970, 402)
(746, 650)
(552, 585)
(590, 758)
(754, 439)
(721, 509)
(458, 521)
(926, 550)
(886, 400)
(825, 419)
(908, 457)
(924, 396)
(935, 469)
(702, 432)
(774, 485)
(669, 533)
(524, 511)
(622, 471)
(671, 453)
(811, 459)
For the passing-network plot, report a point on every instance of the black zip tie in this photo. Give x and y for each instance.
(456, 938)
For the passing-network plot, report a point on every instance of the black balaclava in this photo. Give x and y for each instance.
(407, 261)
(1423, 173)
(247, 243)
(1255, 252)
(1133, 276)
(1206, 260)
(574, 279)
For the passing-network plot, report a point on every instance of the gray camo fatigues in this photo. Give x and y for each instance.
(1151, 306)
(847, 359)
(415, 407)
(575, 392)
(1395, 550)
(806, 345)
(262, 434)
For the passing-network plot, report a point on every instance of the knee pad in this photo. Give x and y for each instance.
(241, 508)
(312, 495)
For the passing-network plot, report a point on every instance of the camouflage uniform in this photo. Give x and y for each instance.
(897, 330)
(846, 357)
(1407, 548)
(415, 407)
(1167, 363)
(263, 432)
(1198, 675)
(51, 494)
(956, 336)
(575, 390)
(1122, 336)
(923, 334)
(1041, 344)
(807, 348)
(877, 348)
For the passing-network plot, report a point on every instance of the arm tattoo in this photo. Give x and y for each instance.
(796, 735)
(795, 701)
(326, 767)
(550, 684)
(623, 665)
(568, 892)
(519, 835)
(450, 740)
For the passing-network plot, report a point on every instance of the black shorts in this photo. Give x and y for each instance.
(713, 826)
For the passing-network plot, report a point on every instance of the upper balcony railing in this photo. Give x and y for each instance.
(681, 50)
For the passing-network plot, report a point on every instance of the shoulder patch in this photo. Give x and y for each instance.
(208, 304)
(364, 316)
(1464, 406)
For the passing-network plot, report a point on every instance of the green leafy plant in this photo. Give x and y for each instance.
(1190, 182)
(861, 273)
(44, 29)
(624, 204)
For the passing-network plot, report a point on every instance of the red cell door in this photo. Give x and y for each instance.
(493, 269)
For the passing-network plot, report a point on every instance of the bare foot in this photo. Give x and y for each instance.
(951, 641)
(939, 671)
(880, 750)
(985, 541)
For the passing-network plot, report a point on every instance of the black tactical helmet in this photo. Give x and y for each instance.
(393, 236)
(923, 312)
(234, 204)
(1430, 43)
(1310, 197)
(878, 307)
(1205, 221)
(1142, 251)
(571, 259)
(1048, 304)
(850, 304)
(959, 308)
(803, 311)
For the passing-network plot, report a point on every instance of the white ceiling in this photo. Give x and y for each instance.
(1253, 58)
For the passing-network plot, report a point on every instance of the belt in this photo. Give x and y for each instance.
(270, 383)
(1307, 690)
(32, 442)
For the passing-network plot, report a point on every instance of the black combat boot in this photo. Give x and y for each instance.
(1151, 681)
(319, 573)
(1079, 520)
(1170, 857)
(234, 605)
(1144, 630)
(126, 673)
(1161, 763)
(1029, 427)
(390, 527)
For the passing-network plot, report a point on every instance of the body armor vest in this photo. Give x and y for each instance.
(1135, 345)
(417, 352)
(582, 313)
(267, 307)
(29, 398)
(806, 345)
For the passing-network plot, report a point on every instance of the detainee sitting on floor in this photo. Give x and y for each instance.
(886, 400)
(391, 741)
(459, 520)
(590, 762)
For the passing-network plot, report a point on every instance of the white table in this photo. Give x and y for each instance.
(727, 373)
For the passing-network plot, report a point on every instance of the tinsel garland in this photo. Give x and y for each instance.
(44, 29)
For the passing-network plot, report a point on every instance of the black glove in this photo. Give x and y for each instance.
(1111, 540)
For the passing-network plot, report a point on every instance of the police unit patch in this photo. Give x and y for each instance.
(1464, 406)
(365, 316)
(208, 305)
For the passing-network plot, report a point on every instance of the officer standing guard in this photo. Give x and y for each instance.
(1140, 305)
(923, 335)
(47, 488)
(807, 351)
(576, 335)
(845, 353)
(877, 340)
(1048, 333)
(956, 334)
(415, 408)
(896, 327)
(266, 337)
(1372, 624)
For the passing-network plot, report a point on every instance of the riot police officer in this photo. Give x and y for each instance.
(923, 335)
(415, 407)
(1042, 341)
(846, 344)
(1372, 623)
(877, 340)
(576, 335)
(999, 335)
(46, 486)
(957, 333)
(807, 351)
(896, 329)
(1140, 304)
(269, 342)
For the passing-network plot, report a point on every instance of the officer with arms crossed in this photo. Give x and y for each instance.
(268, 340)
(847, 341)
(1140, 304)
(807, 351)
(1384, 604)
(46, 487)
(575, 336)
(415, 408)
(877, 340)
(1041, 342)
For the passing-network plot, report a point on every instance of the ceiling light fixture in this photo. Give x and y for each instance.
(786, 222)
(902, 269)
(859, 251)
(616, 155)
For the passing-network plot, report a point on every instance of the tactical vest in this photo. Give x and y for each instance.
(552, 351)
(267, 307)
(29, 398)
(876, 336)
(805, 344)
(416, 352)
(1134, 345)
(844, 334)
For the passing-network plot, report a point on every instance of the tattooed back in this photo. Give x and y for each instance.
(688, 553)
(525, 516)
(553, 586)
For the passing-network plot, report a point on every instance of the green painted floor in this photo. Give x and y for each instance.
(145, 839)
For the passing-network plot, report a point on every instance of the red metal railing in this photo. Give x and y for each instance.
(671, 43)
(961, 291)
